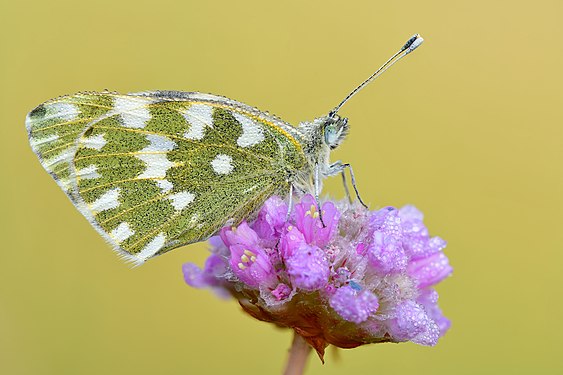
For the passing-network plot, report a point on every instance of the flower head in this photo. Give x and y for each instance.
(355, 277)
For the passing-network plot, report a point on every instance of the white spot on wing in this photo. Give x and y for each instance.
(164, 185)
(64, 111)
(107, 201)
(157, 164)
(65, 155)
(90, 172)
(134, 112)
(222, 164)
(40, 141)
(152, 247)
(159, 143)
(181, 200)
(122, 232)
(96, 142)
(198, 116)
(252, 133)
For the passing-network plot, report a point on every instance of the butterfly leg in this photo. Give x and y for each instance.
(339, 167)
(289, 203)
(354, 184)
(317, 191)
(345, 184)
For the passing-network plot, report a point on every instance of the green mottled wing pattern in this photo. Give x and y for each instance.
(154, 171)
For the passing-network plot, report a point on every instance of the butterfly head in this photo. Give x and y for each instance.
(335, 130)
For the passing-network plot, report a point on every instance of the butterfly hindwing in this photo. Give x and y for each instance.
(154, 171)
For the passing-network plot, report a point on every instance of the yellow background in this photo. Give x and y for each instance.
(469, 128)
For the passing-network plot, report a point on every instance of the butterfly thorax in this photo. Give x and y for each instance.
(320, 136)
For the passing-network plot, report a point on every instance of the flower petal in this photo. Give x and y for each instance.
(412, 323)
(251, 265)
(271, 219)
(241, 235)
(430, 270)
(354, 305)
(308, 221)
(308, 268)
(386, 253)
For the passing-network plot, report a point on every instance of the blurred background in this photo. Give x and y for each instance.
(469, 128)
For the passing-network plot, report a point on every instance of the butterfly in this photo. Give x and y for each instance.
(152, 171)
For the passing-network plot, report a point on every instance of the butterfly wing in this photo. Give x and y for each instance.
(154, 171)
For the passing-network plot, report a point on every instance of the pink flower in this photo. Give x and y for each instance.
(308, 220)
(362, 277)
(251, 265)
(241, 235)
(271, 220)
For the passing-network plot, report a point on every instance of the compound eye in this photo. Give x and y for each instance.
(330, 134)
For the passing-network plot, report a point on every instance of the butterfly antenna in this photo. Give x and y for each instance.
(411, 44)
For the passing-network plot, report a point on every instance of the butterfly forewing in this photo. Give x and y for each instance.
(155, 171)
(55, 126)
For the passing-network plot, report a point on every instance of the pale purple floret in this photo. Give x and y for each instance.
(308, 267)
(430, 270)
(209, 277)
(241, 235)
(417, 242)
(307, 220)
(355, 277)
(354, 305)
(251, 265)
(271, 220)
(386, 253)
(387, 221)
(249, 261)
(412, 323)
(281, 292)
(198, 278)
(429, 299)
(291, 239)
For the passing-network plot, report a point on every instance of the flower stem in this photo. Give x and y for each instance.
(298, 355)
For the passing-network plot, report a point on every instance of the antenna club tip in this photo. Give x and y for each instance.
(413, 43)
